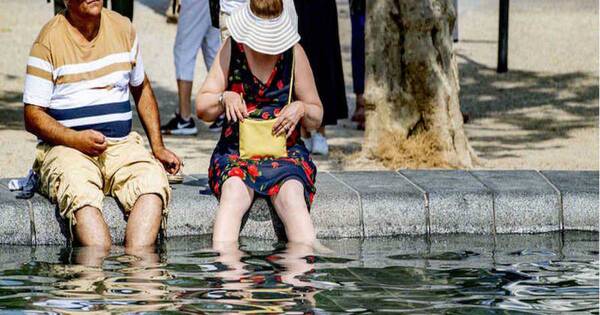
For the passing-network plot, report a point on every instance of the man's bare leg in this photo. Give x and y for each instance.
(91, 256)
(185, 95)
(91, 229)
(144, 221)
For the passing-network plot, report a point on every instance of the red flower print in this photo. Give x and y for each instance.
(250, 107)
(243, 163)
(236, 171)
(261, 92)
(280, 84)
(311, 197)
(277, 111)
(228, 132)
(307, 169)
(263, 99)
(253, 170)
(238, 88)
(241, 47)
(265, 116)
(273, 190)
(274, 165)
(216, 188)
(234, 157)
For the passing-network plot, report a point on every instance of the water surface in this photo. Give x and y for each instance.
(459, 274)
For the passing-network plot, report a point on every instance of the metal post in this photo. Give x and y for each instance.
(503, 37)
(455, 30)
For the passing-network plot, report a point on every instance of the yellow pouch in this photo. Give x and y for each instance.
(256, 136)
(257, 140)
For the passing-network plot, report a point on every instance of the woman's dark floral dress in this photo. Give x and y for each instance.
(264, 101)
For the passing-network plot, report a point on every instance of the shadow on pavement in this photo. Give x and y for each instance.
(158, 6)
(506, 98)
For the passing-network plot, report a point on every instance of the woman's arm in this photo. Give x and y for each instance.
(208, 107)
(307, 109)
(306, 91)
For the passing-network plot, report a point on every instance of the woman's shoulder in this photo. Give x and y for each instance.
(300, 56)
(299, 50)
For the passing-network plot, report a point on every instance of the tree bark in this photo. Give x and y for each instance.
(412, 87)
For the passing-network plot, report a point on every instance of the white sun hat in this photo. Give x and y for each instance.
(267, 36)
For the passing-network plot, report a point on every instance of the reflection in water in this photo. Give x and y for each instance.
(128, 282)
(360, 277)
(272, 282)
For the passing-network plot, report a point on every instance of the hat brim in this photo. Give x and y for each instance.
(267, 36)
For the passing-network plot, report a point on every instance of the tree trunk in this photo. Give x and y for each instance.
(413, 110)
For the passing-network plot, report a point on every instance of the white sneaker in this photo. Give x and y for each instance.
(319, 144)
(307, 143)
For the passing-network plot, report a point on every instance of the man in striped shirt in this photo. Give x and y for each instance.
(80, 72)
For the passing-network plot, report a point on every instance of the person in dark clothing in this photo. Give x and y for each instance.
(123, 7)
(357, 18)
(318, 28)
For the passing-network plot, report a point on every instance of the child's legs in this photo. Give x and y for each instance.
(236, 199)
(291, 208)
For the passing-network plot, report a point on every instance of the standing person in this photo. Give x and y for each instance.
(357, 18)
(318, 28)
(226, 9)
(194, 32)
(82, 69)
(262, 76)
(123, 7)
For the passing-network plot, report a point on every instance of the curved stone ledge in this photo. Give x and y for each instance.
(361, 204)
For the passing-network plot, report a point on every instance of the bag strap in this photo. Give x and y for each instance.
(292, 77)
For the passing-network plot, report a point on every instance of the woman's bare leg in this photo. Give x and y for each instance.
(291, 208)
(236, 199)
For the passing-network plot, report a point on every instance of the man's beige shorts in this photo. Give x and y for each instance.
(126, 170)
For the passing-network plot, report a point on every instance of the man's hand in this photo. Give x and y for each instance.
(170, 161)
(90, 142)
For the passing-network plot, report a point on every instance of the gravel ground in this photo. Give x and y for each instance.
(543, 114)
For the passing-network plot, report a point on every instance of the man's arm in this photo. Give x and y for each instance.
(39, 123)
(148, 111)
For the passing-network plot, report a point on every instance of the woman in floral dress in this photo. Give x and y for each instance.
(247, 84)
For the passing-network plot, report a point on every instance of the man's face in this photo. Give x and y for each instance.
(90, 8)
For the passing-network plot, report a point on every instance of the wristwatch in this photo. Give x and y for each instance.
(221, 99)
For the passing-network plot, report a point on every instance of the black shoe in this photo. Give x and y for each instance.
(179, 126)
(217, 125)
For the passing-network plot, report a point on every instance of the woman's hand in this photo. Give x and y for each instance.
(235, 106)
(288, 118)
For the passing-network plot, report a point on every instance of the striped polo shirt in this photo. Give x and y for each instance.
(83, 84)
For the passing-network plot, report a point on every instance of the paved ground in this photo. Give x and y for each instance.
(543, 114)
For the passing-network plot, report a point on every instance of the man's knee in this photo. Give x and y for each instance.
(144, 179)
(69, 178)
